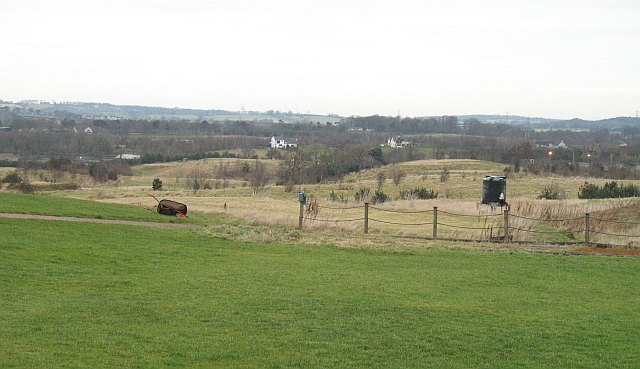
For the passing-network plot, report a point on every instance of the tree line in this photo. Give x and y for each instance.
(321, 145)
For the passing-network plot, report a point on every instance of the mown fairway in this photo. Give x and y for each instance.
(112, 296)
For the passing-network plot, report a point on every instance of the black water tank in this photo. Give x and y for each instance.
(494, 190)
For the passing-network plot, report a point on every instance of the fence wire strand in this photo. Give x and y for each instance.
(403, 212)
(614, 234)
(338, 208)
(333, 220)
(540, 232)
(467, 215)
(614, 221)
(407, 224)
(545, 220)
(462, 227)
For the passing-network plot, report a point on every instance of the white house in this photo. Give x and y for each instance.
(88, 130)
(284, 143)
(127, 156)
(561, 145)
(398, 142)
(7, 156)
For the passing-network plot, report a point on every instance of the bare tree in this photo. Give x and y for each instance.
(221, 170)
(259, 177)
(444, 174)
(381, 177)
(195, 179)
(398, 175)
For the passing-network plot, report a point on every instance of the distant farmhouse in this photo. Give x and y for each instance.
(127, 156)
(87, 130)
(398, 142)
(284, 143)
(9, 157)
(561, 145)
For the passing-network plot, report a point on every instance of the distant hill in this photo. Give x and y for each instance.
(510, 119)
(112, 111)
(547, 123)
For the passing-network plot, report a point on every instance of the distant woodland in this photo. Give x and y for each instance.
(327, 150)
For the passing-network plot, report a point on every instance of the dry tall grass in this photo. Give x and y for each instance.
(459, 214)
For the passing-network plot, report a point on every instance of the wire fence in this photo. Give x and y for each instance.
(489, 227)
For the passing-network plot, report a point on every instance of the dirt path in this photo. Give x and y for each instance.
(92, 220)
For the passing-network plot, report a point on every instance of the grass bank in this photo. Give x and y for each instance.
(113, 296)
(58, 206)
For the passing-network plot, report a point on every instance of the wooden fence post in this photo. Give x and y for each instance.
(366, 217)
(435, 222)
(586, 228)
(506, 225)
(301, 219)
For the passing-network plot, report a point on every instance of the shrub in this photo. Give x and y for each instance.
(362, 194)
(12, 179)
(379, 197)
(608, 190)
(18, 182)
(337, 198)
(25, 186)
(552, 192)
(157, 184)
(108, 170)
(548, 193)
(419, 193)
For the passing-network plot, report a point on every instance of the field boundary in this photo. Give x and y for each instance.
(502, 227)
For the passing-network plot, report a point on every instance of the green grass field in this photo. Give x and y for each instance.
(113, 296)
(58, 206)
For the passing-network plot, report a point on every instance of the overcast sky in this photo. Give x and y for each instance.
(559, 59)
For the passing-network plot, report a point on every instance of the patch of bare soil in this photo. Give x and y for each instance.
(607, 251)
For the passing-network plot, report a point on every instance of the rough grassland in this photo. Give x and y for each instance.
(110, 296)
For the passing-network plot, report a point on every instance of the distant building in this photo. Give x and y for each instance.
(551, 145)
(128, 156)
(283, 143)
(88, 130)
(398, 142)
(7, 156)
